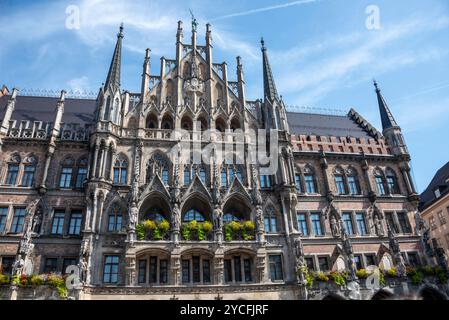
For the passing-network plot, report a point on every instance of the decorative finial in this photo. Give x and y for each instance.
(375, 85)
(262, 43)
(194, 22)
(120, 35)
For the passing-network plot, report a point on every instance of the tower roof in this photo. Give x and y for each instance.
(385, 114)
(113, 78)
(269, 87)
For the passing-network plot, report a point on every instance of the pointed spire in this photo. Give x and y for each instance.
(385, 113)
(269, 87)
(113, 78)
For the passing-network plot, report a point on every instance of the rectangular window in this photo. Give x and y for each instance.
(163, 271)
(3, 217)
(298, 183)
(185, 271)
(310, 264)
(323, 264)
(153, 269)
(66, 178)
(237, 269)
(432, 223)
(441, 217)
(316, 224)
(223, 178)
(116, 175)
(340, 183)
(81, 177)
(115, 222)
(28, 176)
(13, 171)
(404, 222)
(380, 186)
(310, 183)
(370, 260)
(196, 269)
(206, 271)
(267, 224)
(358, 262)
(392, 185)
(361, 224)
(265, 181)
(353, 185)
(142, 271)
(391, 223)
(247, 268)
(165, 176)
(302, 224)
(67, 262)
(7, 265)
(413, 259)
(51, 265)
(275, 263)
(18, 220)
(76, 217)
(273, 225)
(228, 270)
(58, 222)
(186, 177)
(347, 222)
(123, 174)
(110, 270)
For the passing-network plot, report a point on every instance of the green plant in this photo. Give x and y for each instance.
(235, 226)
(392, 273)
(382, 279)
(309, 280)
(149, 225)
(339, 278)
(441, 276)
(140, 232)
(163, 226)
(249, 226)
(193, 225)
(362, 274)
(201, 233)
(4, 279)
(228, 233)
(58, 283)
(36, 280)
(185, 231)
(157, 234)
(322, 277)
(207, 226)
(428, 270)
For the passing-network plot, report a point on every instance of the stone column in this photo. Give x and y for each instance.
(111, 171)
(48, 157)
(93, 172)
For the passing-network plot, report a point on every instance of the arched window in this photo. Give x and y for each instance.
(107, 109)
(310, 180)
(392, 182)
(380, 182)
(231, 174)
(186, 123)
(353, 181)
(220, 125)
(158, 164)
(115, 110)
(239, 174)
(270, 221)
(203, 175)
(120, 170)
(65, 179)
(340, 180)
(224, 176)
(278, 119)
(115, 219)
(151, 121)
(298, 183)
(81, 173)
(186, 175)
(155, 215)
(167, 122)
(13, 170)
(230, 216)
(193, 214)
(29, 169)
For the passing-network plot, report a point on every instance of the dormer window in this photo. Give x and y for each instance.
(437, 193)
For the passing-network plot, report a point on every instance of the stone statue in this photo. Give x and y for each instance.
(218, 218)
(82, 265)
(396, 253)
(135, 189)
(36, 224)
(19, 265)
(259, 219)
(440, 255)
(378, 225)
(133, 213)
(334, 226)
(176, 218)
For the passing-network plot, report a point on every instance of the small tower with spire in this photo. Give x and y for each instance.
(391, 129)
(110, 102)
(274, 108)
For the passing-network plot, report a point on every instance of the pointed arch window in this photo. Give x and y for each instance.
(29, 171)
(278, 119)
(65, 179)
(340, 181)
(81, 174)
(239, 174)
(353, 181)
(380, 182)
(310, 181)
(203, 175)
(115, 219)
(107, 109)
(158, 164)
(392, 182)
(231, 216)
(186, 175)
(193, 214)
(224, 177)
(298, 183)
(120, 170)
(13, 170)
(270, 221)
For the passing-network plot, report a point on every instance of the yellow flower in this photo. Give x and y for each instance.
(149, 225)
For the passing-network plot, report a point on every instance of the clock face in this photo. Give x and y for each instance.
(194, 82)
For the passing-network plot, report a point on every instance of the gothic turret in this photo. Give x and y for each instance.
(110, 98)
(391, 130)
(274, 109)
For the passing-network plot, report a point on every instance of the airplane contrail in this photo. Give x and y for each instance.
(274, 7)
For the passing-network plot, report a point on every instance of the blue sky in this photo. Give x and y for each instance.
(322, 53)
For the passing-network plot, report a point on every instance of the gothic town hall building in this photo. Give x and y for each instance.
(95, 183)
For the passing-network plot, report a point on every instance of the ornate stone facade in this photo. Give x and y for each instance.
(96, 170)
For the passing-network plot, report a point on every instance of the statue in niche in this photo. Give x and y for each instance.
(218, 218)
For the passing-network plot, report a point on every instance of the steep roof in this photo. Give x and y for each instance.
(386, 116)
(441, 182)
(43, 109)
(269, 87)
(326, 125)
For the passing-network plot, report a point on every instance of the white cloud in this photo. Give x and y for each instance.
(80, 84)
